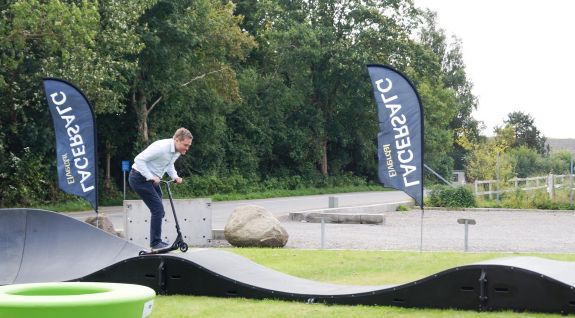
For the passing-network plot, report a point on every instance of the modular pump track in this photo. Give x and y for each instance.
(42, 246)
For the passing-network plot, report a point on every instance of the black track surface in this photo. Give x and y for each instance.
(43, 246)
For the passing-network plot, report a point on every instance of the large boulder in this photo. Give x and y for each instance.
(254, 226)
(102, 222)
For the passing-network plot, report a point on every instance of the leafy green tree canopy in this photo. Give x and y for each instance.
(526, 134)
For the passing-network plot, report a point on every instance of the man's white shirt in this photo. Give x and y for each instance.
(157, 159)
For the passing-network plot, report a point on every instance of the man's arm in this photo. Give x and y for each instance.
(173, 173)
(141, 160)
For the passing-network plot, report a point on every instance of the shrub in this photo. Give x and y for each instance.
(515, 200)
(211, 184)
(520, 199)
(23, 180)
(452, 197)
(402, 208)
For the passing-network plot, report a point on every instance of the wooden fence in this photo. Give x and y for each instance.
(550, 182)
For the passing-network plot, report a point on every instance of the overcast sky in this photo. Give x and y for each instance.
(520, 56)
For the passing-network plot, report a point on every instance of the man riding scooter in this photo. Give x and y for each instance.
(148, 169)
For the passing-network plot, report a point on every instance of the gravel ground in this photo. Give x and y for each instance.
(495, 231)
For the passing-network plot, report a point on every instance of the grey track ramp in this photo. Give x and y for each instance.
(12, 234)
(551, 269)
(244, 271)
(44, 246)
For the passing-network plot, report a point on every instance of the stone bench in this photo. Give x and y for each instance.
(347, 218)
(365, 214)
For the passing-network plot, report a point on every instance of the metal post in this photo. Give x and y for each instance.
(571, 185)
(466, 222)
(421, 231)
(437, 175)
(497, 177)
(322, 233)
(466, 234)
(333, 202)
(125, 168)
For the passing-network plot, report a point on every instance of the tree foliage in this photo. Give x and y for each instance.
(526, 134)
(521, 159)
(270, 89)
(455, 88)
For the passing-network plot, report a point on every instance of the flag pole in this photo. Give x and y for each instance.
(421, 231)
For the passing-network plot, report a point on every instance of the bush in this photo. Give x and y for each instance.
(515, 200)
(402, 208)
(452, 197)
(23, 180)
(235, 183)
(520, 199)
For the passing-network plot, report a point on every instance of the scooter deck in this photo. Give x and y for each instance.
(179, 244)
(158, 251)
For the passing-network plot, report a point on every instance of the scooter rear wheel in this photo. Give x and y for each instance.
(183, 247)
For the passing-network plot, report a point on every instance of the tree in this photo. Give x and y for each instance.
(526, 134)
(274, 120)
(559, 162)
(281, 92)
(316, 52)
(36, 39)
(186, 41)
(526, 162)
(481, 160)
(452, 72)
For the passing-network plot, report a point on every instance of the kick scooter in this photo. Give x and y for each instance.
(179, 242)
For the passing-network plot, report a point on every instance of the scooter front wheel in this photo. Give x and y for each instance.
(183, 247)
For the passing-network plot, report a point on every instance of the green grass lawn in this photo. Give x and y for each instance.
(342, 267)
(297, 192)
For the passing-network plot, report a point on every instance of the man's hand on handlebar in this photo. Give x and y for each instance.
(157, 180)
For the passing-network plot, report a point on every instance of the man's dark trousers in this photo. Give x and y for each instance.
(152, 196)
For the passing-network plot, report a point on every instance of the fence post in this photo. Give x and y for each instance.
(551, 186)
(497, 175)
(571, 184)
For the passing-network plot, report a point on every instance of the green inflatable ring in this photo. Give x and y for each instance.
(76, 300)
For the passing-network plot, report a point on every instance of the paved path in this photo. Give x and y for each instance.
(282, 206)
(278, 206)
(496, 230)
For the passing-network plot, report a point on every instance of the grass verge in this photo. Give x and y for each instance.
(76, 204)
(296, 192)
(343, 267)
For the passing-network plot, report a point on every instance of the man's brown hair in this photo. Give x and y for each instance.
(182, 134)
